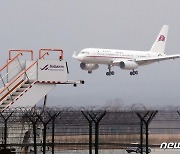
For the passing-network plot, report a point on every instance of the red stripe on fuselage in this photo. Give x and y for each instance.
(108, 57)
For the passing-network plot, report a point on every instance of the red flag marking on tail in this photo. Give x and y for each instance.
(161, 38)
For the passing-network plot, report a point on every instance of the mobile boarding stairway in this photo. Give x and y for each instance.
(25, 82)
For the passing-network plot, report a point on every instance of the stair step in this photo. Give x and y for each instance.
(20, 89)
(3, 105)
(25, 85)
(11, 97)
(1, 108)
(17, 93)
(6, 102)
(29, 81)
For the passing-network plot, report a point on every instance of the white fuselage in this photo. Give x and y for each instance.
(108, 56)
(90, 58)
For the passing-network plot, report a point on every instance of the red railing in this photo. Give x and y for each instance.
(47, 53)
(16, 50)
(20, 52)
(11, 60)
(23, 72)
(12, 81)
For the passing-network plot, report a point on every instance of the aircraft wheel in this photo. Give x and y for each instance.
(108, 73)
(89, 72)
(131, 73)
(136, 72)
(112, 73)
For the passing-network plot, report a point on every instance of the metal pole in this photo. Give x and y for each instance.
(5, 134)
(53, 121)
(5, 86)
(141, 136)
(90, 131)
(53, 118)
(96, 137)
(142, 119)
(45, 128)
(90, 137)
(23, 69)
(34, 134)
(44, 139)
(147, 135)
(97, 121)
(45, 101)
(5, 127)
(34, 122)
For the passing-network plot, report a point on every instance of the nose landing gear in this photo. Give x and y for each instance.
(89, 72)
(134, 72)
(110, 72)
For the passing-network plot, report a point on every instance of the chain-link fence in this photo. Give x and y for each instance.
(50, 130)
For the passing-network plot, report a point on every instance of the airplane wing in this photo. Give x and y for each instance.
(148, 60)
(156, 59)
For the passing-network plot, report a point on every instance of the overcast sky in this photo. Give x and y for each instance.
(77, 24)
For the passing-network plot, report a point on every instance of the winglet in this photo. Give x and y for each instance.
(160, 43)
(74, 55)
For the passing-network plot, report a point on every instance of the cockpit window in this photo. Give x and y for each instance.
(85, 52)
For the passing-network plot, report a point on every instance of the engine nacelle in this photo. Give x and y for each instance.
(128, 65)
(89, 67)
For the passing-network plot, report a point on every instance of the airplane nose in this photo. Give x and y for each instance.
(79, 57)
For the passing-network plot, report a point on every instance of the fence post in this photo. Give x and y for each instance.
(97, 117)
(90, 130)
(53, 117)
(147, 118)
(34, 119)
(5, 127)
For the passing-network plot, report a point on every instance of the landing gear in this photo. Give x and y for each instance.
(89, 72)
(110, 72)
(134, 72)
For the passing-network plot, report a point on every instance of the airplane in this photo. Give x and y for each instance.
(90, 58)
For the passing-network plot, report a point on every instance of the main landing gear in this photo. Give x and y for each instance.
(109, 72)
(134, 72)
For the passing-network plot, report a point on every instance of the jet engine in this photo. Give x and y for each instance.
(128, 65)
(89, 67)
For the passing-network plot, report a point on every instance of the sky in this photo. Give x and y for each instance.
(77, 24)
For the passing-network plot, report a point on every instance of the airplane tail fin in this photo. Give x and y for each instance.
(160, 43)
